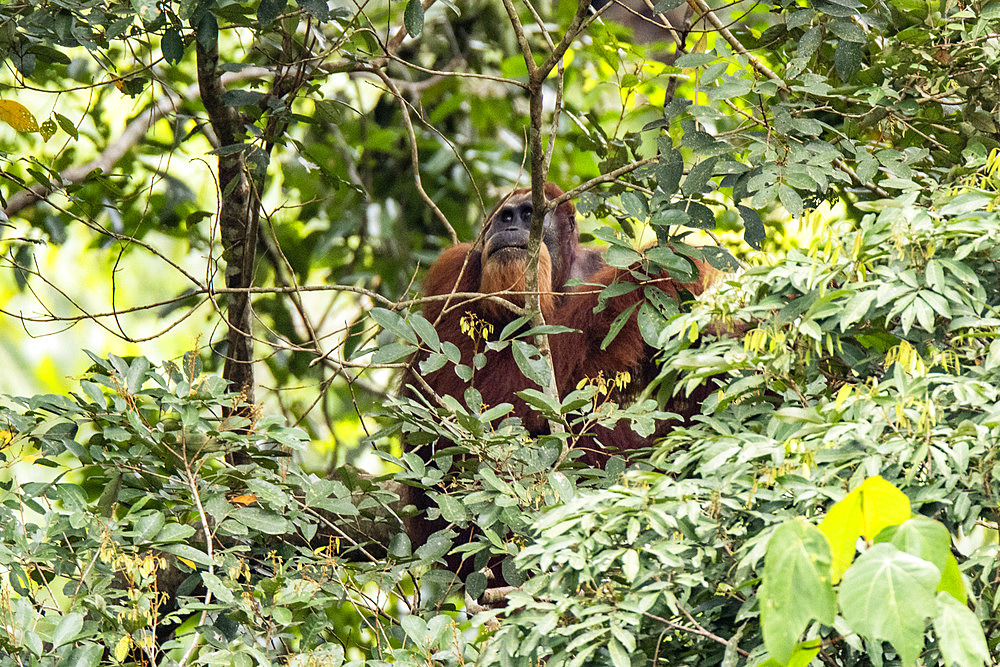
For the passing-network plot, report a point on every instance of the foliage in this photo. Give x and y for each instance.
(291, 165)
(112, 555)
(842, 381)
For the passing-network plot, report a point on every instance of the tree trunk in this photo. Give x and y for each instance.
(237, 215)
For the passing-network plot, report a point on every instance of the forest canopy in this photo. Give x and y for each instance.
(216, 219)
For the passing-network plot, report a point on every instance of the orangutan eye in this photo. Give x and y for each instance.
(506, 215)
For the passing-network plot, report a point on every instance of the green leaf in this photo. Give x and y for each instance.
(32, 641)
(635, 205)
(847, 59)
(67, 630)
(619, 656)
(720, 258)
(425, 330)
(400, 546)
(951, 580)
(413, 18)
(960, 635)
(809, 42)
(319, 9)
(268, 10)
(219, 589)
(790, 199)
(616, 326)
(174, 532)
(562, 486)
(753, 227)
(147, 526)
(924, 538)
(136, 374)
(669, 171)
(847, 29)
(698, 177)
(172, 46)
(856, 309)
(679, 268)
(797, 586)
(67, 125)
(391, 353)
(531, 363)
(415, 628)
(630, 565)
(888, 595)
(700, 216)
(256, 518)
(85, 655)
(187, 552)
(394, 324)
(452, 510)
(541, 401)
(475, 585)
(208, 31)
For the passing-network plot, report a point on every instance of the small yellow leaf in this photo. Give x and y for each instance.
(122, 647)
(843, 394)
(187, 562)
(17, 116)
(47, 129)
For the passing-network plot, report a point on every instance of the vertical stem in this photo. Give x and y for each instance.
(237, 223)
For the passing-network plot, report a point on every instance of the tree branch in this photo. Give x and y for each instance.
(237, 228)
(134, 132)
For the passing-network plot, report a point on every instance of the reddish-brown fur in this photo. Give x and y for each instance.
(576, 355)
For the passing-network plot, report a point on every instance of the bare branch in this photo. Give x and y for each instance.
(415, 156)
(702, 7)
(134, 132)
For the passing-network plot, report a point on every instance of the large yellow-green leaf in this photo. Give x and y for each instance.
(864, 512)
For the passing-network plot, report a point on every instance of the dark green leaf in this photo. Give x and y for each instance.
(753, 227)
(208, 32)
(698, 177)
(268, 10)
(669, 171)
(413, 18)
(847, 59)
(172, 46)
(475, 585)
(620, 321)
(318, 9)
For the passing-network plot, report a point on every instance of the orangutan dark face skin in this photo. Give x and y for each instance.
(505, 241)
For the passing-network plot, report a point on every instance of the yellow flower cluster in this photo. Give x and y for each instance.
(475, 327)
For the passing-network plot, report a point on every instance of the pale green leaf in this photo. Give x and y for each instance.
(959, 633)
(796, 586)
(889, 595)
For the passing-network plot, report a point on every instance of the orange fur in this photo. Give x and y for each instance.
(507, 274)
